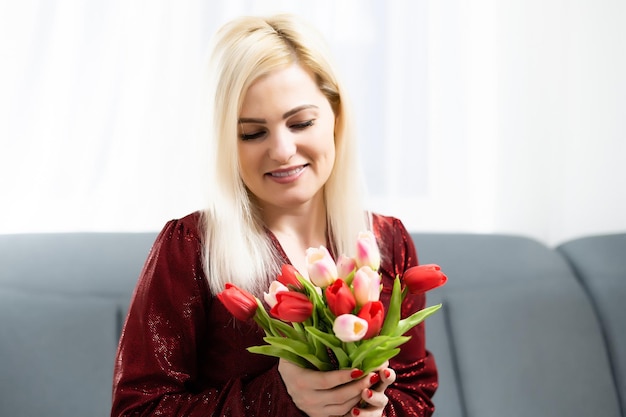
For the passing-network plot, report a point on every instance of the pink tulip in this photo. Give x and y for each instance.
(422, 278)
(340, 298)
(321, 266)
(367, 253)
(270, 297)
(366, 285)
(374, 313)
(349, 328)
(240, 303)
(345, 266)
(292, 306)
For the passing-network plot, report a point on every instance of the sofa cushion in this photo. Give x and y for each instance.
(600, 264)
(522, 334)
(57, 354)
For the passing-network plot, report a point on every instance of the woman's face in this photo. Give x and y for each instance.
(286, 139)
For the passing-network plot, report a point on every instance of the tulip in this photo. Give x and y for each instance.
(366, 285)
(292, 306)
(240, 303)
(340, 298)
(367, 253)
(321, 266)
(349, 328)
(422, 278)
(289, 276)
(345, 266)
(270, 297)
(374, 314)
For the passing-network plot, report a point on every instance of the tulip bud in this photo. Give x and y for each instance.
(349, 328)
(366, 285)
(321, 266)
(270, 297)
(374, 313)
(422, 278)
(345, 266)
(340, 298)
(367, 252)
(292, 306)
(289, 276)
(240, 303)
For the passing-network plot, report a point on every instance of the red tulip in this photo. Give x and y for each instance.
(288, 276)
(292, 306)
(240, 303)
(422, 278)
(339, 297)
(373, 313)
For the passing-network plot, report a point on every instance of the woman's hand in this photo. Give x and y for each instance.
(374, 400)
(331, 393)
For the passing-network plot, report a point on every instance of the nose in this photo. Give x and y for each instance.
(282, 146)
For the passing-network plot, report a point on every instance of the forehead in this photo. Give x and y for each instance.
(282, 89)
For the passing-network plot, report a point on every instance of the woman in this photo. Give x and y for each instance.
(284, 178)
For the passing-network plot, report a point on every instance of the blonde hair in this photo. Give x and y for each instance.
(237, 247)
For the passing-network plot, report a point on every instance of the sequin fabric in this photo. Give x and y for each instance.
(182, 354)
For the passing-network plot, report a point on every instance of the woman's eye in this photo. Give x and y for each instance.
(302, 125)
(251, 136)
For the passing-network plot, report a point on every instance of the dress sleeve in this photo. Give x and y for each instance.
(157, 364)
(416, 380)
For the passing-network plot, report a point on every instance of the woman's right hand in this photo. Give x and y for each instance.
(323, 394)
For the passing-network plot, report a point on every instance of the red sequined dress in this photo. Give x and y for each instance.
(182, 354)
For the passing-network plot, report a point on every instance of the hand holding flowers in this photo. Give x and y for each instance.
(335, 319)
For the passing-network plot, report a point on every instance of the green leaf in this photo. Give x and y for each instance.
(270, 350)
(414, 319)
(393, 314)
(333, 343)
(301, 349)
(374, 361)
(378, 343)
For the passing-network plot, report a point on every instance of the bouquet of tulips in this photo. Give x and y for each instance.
(334, 319)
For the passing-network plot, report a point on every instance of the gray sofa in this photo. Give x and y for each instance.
(526, 330)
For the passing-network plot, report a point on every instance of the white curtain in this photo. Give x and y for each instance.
(474, 116)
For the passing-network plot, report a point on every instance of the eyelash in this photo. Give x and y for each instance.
(259, 134)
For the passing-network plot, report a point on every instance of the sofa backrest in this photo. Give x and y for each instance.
(600, 264)
(517, 335)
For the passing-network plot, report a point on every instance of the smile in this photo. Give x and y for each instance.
(287, 173)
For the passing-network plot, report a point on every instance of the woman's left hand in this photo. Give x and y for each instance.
(373, 399)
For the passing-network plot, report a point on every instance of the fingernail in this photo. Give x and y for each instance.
(374, 379)
(356, 411)
(357, 373)
(387, 373)
(369, 393)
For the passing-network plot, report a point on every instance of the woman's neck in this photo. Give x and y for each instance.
(297, 231)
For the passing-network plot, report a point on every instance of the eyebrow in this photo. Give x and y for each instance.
(285, 116)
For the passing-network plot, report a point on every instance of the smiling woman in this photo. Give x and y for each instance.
(284, 179)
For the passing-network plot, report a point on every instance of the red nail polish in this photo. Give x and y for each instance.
(374, 379)
(356, 411)
(357, 373)
(387, 373)
(369, 393)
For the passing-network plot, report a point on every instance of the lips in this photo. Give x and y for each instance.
(284, 173)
